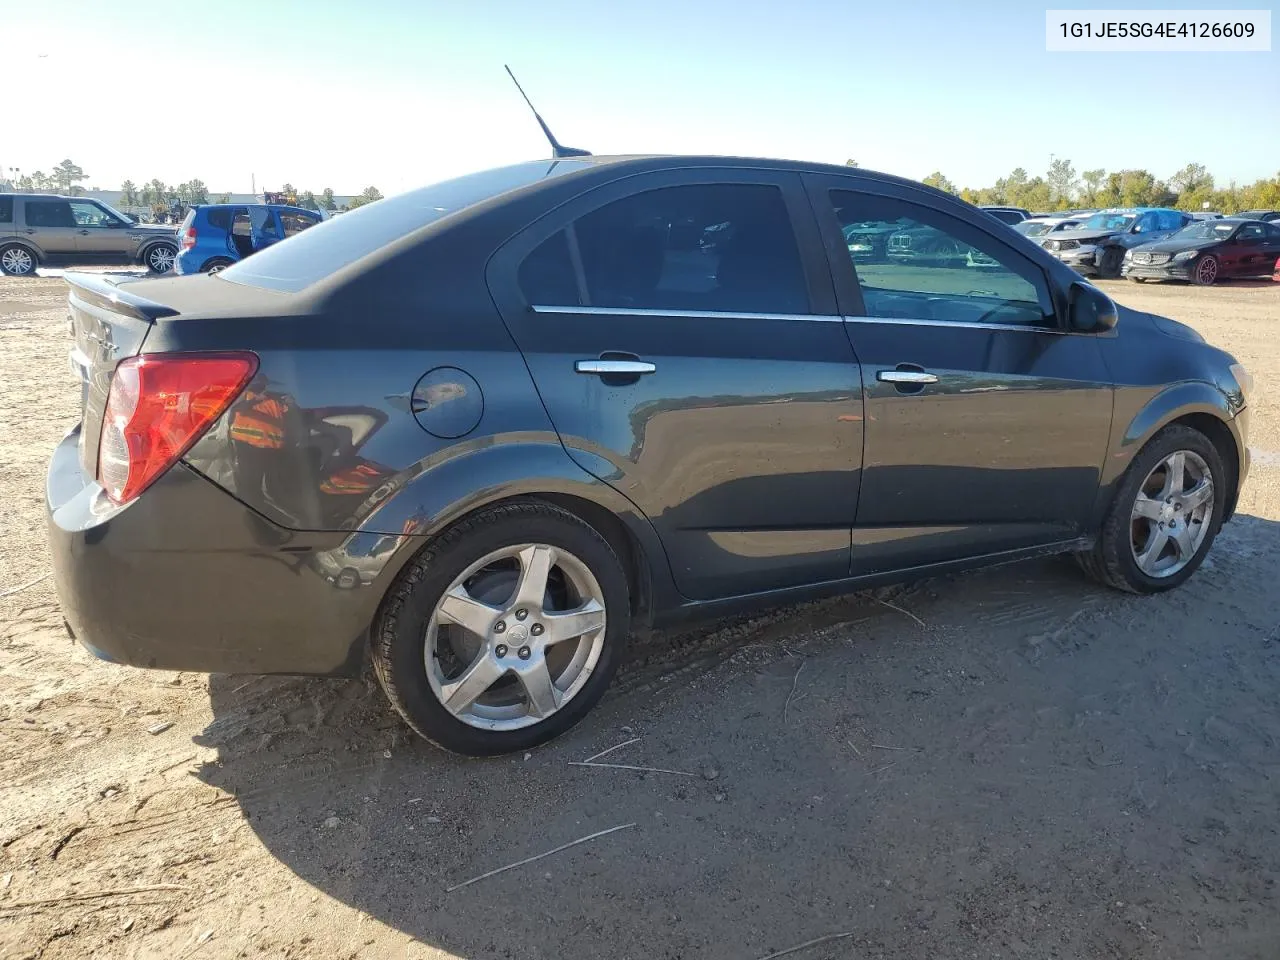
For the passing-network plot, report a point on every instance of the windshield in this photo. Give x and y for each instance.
(1109, 221)
(1206, 230)
(319, 251)
(1027, 228)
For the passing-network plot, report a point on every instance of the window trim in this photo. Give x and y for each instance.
(848, 289)
(501, 274)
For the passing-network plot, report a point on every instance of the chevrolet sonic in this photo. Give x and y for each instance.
(475, 434)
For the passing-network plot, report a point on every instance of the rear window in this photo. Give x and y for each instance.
(6, 209)
(220, 218)
(317, 252)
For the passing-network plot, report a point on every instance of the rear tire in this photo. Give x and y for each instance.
(425, 657)
(17, 261)
(217, 264)
(1114, 560)
(160, 257)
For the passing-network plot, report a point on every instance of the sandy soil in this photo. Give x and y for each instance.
(1042, 769)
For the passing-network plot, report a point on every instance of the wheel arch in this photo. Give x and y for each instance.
(1199, 405)
(32, 248)
(438, 499)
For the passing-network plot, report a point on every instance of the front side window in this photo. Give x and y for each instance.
(935, 267)
(49, 213)
(704, 248)
(88, 214)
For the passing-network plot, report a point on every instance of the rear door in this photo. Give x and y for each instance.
(986, 422)
(680, 329)
(51, 225)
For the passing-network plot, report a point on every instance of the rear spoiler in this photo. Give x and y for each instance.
(106, 293)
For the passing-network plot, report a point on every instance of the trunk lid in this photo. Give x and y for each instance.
(108, 324)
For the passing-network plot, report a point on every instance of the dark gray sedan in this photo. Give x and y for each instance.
(477, 433)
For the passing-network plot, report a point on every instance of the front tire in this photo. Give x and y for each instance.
(1167, 510)
(505, 631)
(1109, 263)
(1205, 271)
(17, 261)
(160, 258)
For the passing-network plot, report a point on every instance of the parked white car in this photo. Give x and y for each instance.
(1038, 228)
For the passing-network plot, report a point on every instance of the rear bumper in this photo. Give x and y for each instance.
(188, 578)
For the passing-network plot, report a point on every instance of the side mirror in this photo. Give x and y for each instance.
(1089, 310)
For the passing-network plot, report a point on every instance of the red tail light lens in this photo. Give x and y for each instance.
(158, 407)
(189, 238)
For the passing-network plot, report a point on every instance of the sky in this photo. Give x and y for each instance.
(396, 93)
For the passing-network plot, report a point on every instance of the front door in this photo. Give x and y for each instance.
(100, 235)
(49, 223)
(987, 422)
(680, 329)
(1252, 251)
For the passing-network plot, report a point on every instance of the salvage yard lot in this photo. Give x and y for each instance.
(1037, 768)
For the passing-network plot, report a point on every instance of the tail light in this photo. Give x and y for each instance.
(189, 238)
(159, 405)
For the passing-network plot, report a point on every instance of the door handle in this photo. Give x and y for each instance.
(907, 376)
(30, 230)
(84, 233)
(615, 368)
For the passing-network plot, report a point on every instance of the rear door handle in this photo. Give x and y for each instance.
(615, 368)
(84, 233)
(907, 376)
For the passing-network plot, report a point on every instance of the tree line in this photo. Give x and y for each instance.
(67, 178)
(1190, 189)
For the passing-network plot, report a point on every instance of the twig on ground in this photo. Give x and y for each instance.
(854, 747)
(12, 590)
(881, 746)
(885, 767)
(807, 944)
(247, 683)
(540, 856)
(894, 606)
(627, 766)
(98, 895)
(786, 707)
(625, 743)
(178, 763)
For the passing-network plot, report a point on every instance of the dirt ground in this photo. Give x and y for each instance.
(1038, 768)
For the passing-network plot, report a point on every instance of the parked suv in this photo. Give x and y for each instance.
(218, 235)
(473, 433)
(1097, 246)
(38, 228)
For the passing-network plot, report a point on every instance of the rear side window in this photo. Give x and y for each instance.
(6, 209)
(333, 244)
(49, 213)
(705, 248)
(219, 218)
(294, 222)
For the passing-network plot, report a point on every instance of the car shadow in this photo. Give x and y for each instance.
(934, 773)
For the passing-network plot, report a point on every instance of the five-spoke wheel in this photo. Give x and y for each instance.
(1166, 511)
(505, 630)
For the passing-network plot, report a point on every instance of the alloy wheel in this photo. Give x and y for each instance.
(515, 637)
(17, 262)
(1171, 514)
(161, 258)
(1207, 270)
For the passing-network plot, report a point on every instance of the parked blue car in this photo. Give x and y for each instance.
(217, 235)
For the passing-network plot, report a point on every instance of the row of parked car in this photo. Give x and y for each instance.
(1154, 243)
(40, 229)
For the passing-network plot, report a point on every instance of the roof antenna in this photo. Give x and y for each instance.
(557, 151)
